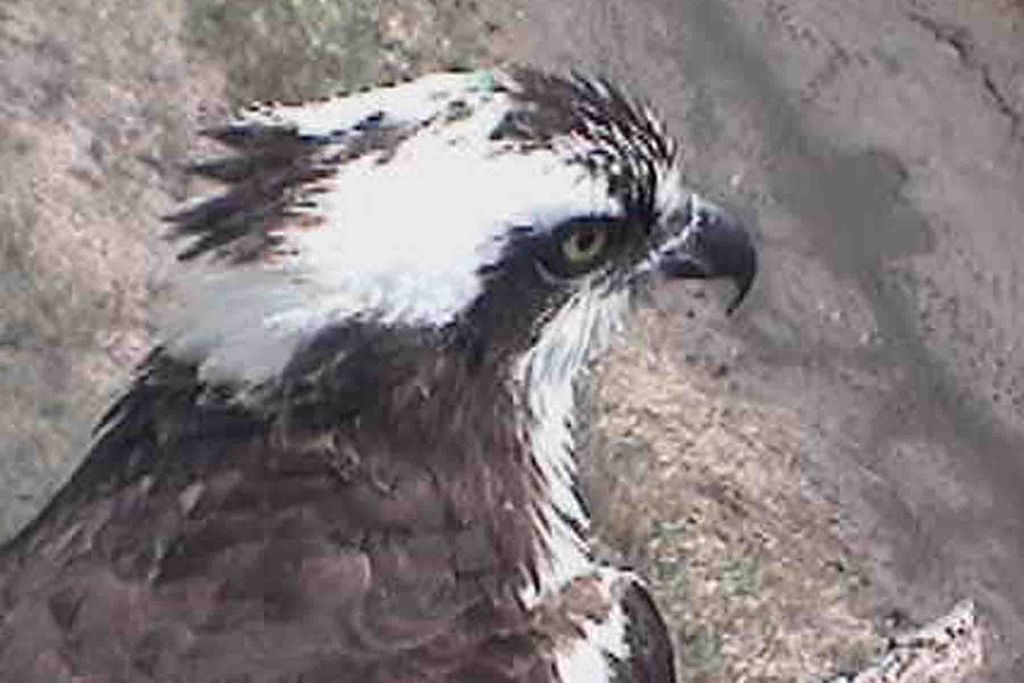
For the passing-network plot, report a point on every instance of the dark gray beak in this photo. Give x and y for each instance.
(712, 244)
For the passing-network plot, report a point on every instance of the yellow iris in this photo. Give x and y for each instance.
(584, 245)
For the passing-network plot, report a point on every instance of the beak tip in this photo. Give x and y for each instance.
(717, 245)
(744, 279)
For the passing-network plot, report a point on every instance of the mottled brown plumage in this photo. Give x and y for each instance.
(381, 535)
(383, 505)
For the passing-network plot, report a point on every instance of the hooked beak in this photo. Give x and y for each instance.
(712, 244)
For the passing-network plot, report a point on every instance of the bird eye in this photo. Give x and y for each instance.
(584, 245)
(577, 246)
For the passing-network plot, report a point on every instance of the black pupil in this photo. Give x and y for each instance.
(585, 240)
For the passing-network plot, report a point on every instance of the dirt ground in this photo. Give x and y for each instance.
(841, 459)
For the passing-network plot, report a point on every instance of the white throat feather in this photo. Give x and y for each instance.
(543, 380)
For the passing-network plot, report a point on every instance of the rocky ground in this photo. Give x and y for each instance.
(841, 459)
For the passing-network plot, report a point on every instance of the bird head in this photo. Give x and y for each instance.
(513, 210)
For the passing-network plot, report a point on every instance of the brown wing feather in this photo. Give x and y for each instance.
(200, 542)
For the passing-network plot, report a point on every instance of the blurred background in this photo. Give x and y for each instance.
(842, 459)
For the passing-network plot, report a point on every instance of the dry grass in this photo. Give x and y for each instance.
(96, 116)
(299, 49)
(703, 493)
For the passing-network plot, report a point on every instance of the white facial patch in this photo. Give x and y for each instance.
(405, 104)
(545, 375)
(402, 234)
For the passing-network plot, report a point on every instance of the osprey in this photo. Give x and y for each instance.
(351, 459)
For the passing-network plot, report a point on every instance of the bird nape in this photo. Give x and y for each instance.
(351, 457)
